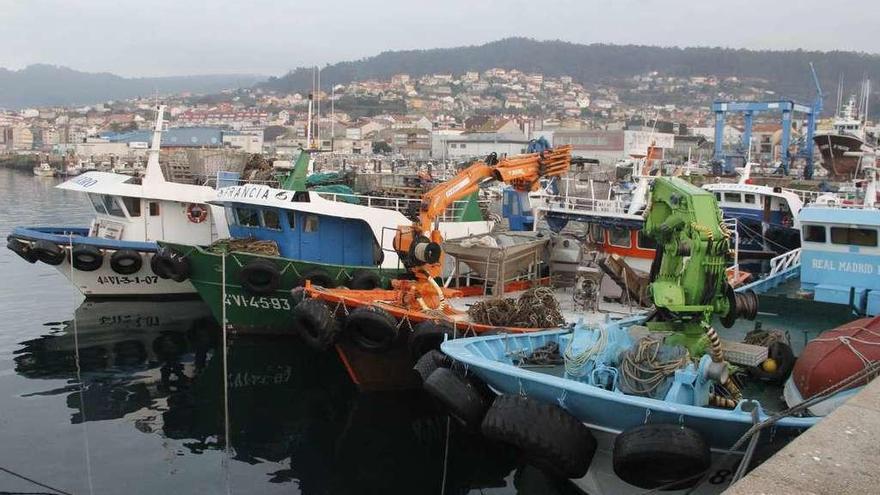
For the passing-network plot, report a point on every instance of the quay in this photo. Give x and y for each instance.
(838, 455)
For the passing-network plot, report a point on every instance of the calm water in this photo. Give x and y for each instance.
(127, 397)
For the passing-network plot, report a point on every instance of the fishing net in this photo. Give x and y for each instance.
(246, 245)
(534, 308)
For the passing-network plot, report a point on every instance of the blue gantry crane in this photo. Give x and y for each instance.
(749, 108)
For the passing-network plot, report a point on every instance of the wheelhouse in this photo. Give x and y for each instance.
(757, 203)
(840, 256)
(306, 236)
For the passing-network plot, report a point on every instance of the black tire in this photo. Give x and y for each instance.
(784, 357)
(126, 261)
(429, 362)
(87, 258)
(260, 277)
(460, 396)
(48, 252)
(548, 435)
(654, 455)
(169, 264)
(371, 328)
(21, 248)
(427, 336)
(315, 324)
(318, 277)
(364, 280)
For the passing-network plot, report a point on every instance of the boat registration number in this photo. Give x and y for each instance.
(126, 280)
(258, 302)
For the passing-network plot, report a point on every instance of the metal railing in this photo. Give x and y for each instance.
(406, 206)
(574, 204)
(785, 262)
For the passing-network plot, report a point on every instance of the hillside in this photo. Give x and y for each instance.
(46, 85)
(786, 71)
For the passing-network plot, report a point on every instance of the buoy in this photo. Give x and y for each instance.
(769, 365)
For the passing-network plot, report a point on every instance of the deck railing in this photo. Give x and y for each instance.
(574, 204)
(785, 262)
(406, 206)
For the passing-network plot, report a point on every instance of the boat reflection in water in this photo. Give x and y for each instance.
(158, 365)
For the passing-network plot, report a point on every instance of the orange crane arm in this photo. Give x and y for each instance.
(521, 171)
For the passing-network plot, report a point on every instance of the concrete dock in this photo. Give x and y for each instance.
(839, 455)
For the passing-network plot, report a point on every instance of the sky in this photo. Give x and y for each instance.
(180, 37)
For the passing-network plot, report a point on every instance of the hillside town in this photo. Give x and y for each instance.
(436, 117)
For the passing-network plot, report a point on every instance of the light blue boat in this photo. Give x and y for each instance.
(493, 359)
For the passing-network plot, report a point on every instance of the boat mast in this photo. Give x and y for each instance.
(153, 173)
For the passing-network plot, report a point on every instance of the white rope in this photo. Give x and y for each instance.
(82, 401)
(446, 455)
(575, 363)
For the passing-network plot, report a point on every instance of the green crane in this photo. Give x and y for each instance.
(688, 277)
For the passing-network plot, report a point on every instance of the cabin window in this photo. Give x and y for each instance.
(311, 224)
(749, 198)
(271, 219)
(133, 205)
(112, 206)
(718, 196)
(646, 242)
(291, 220)
(154, 209)
(814, 233)
(620, 237)
(248, 217)
(854, 237)
(732, 197)
(97, 203)
(230, 216)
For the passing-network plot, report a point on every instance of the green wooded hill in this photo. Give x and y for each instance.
(787, 72)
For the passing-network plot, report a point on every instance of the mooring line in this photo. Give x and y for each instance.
(31, 480)
(82, 401)
(226, 457)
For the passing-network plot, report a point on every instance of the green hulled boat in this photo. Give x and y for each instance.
(263, 309)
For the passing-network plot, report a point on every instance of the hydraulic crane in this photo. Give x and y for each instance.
(418, 245)
(688, 280)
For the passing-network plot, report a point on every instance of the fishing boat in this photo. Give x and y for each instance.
(842, 147)
(679, 400)
(331, 238)
(44, 170)
(116, 256)
(766, 217)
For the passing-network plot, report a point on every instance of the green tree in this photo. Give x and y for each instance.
(381, 147)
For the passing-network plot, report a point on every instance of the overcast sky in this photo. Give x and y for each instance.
(174, 37)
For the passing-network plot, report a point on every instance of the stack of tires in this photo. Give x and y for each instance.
(650, 456)
(547, 436)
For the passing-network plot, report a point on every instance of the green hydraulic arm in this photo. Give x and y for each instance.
(688, 277)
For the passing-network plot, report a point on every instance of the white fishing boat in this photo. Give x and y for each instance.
(44, 170)
(115, 256)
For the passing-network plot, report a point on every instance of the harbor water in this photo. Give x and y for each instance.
(128, 397)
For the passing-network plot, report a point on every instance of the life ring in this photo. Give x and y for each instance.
(168, 263)
(260, 277)
(21, 248)
(126, 261)
(371, 328)
(86, 258)
(48, 252)
(196, 212)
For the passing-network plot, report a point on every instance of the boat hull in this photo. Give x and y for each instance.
(246, 311)
(104, 282)
(598, 408)
(834, 148)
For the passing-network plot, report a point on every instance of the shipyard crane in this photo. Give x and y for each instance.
(418, 245)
